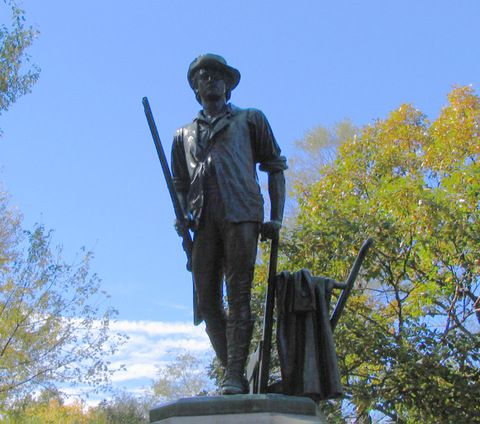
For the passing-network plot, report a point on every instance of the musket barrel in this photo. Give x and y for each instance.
(187, 242)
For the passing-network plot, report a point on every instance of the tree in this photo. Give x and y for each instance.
(17, 74)
(49, 409)
(409, 343)
(184, 377)
(315, 150)
(54, 317)
(124, 408)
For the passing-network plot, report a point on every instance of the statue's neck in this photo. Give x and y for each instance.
(213, 108)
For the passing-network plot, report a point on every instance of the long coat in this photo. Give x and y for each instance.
(304, 336)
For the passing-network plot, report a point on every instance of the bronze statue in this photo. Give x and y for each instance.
(214, 174)
(215, 194)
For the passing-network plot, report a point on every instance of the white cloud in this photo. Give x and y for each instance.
(136, 372)
(157, 328)
(153, 344)
(150, 345)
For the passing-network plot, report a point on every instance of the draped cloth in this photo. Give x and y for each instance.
(304, 336)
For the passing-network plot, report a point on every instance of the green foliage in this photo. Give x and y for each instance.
(54, 318)
(52, 411)
(50, 407)
(408, 343)
(17, 75)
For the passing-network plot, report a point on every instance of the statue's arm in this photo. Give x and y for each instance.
(181, 178)
(276, 191)
(268, 154)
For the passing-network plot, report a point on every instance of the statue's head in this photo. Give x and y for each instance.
(212, 62)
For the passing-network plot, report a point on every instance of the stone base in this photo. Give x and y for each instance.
(238, 409)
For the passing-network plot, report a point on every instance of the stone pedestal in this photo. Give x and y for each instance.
(238, 409)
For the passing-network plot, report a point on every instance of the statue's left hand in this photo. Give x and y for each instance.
(270, 230)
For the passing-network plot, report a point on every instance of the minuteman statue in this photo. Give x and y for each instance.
(214, 162)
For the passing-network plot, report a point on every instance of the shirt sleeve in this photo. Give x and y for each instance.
(265, 148)
(181, 177)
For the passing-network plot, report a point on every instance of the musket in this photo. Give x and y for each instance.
(187, 242)
(342, 300)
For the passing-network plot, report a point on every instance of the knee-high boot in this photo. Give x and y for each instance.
(216, 332)
(239, 334)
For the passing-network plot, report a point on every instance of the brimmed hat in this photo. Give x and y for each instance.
(210, 60)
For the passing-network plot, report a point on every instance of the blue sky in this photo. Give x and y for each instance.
(76, 154)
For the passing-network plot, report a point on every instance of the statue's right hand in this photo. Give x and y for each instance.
(182, 225)
(178, 225)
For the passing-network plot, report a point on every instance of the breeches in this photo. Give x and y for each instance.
(223, 249)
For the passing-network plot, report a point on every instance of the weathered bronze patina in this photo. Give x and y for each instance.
(214, 173)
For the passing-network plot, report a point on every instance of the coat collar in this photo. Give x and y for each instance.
(221, 123)
(229, 111)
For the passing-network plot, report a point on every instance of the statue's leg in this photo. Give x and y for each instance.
(240, 254)
(207, 260)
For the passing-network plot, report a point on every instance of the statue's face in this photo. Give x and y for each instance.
(210, 84)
